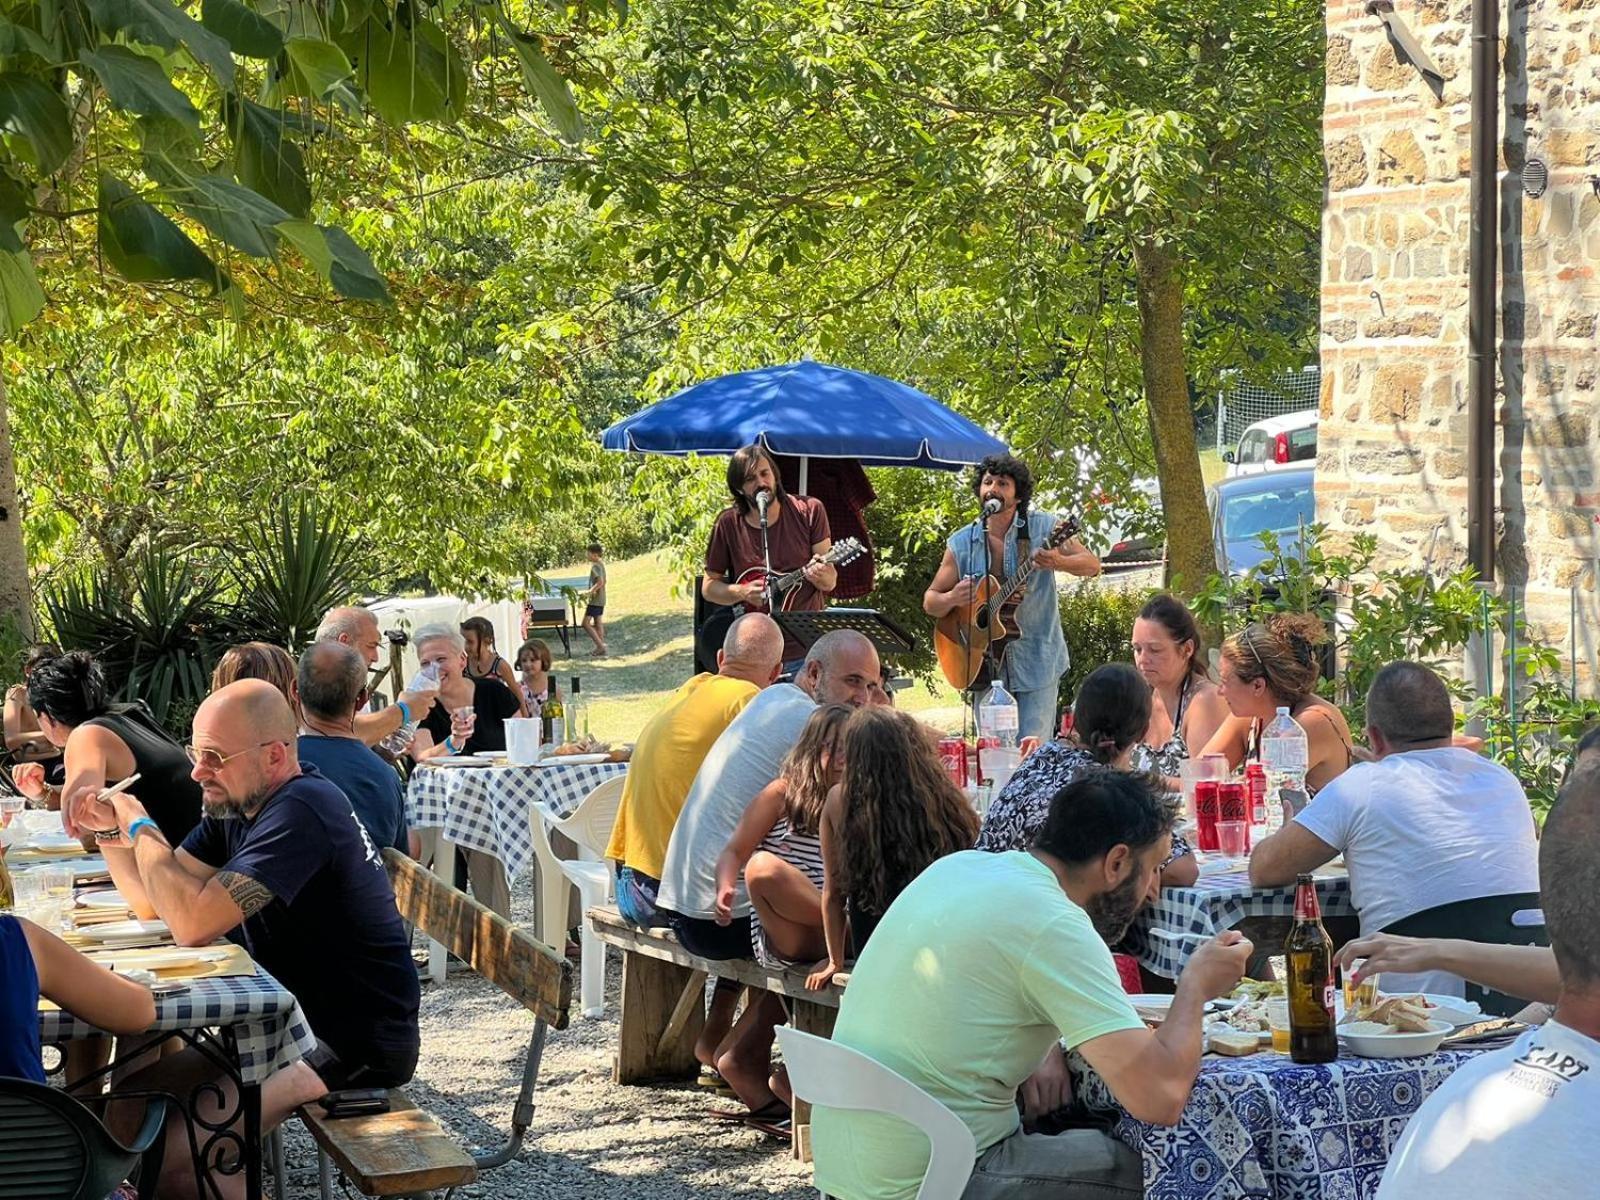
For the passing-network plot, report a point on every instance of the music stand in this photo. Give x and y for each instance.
(807, 627)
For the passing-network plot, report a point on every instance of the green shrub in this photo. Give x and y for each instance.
(1098, 623)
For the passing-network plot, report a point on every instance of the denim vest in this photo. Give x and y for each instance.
(1038, 659)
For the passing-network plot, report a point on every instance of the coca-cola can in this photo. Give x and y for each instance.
(953, 755)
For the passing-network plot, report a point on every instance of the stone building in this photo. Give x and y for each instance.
(1394, 432)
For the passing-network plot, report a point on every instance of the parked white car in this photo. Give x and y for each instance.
(1277, 442)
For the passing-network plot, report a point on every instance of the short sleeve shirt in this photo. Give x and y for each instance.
(331, 934)
(1038, 659)
(370, 784)
(977, 967)
(597, 584)
(735, 548)
(492, 703)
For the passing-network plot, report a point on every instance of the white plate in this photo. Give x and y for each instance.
(571, 760)
(122, 931)
(161, 960)
(1396, 1045)
(103, 900)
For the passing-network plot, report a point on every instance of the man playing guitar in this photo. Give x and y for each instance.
(797, 535)
(1031, 664)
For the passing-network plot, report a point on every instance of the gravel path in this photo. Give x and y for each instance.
(590, 1137)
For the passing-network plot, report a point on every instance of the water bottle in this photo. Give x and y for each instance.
(997, 735)
(425, 680)
(1285, 753)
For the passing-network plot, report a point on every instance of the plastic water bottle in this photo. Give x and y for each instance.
(997, 736)
(1285, 753)
(425, 680)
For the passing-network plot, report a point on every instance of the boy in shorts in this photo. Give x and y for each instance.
(595, 593)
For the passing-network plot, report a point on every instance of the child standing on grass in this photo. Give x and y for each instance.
(595, 594)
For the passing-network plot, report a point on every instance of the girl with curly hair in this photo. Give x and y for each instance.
(1274, 664)
(894, 811)
(778, 846)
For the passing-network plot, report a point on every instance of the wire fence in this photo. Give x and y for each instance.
(1241, 403)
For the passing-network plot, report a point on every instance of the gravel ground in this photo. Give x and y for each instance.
(590, 1137)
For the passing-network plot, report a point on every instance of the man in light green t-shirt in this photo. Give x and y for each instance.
(978, 973)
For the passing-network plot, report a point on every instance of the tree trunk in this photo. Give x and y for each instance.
(1190, 556)
(16, 609)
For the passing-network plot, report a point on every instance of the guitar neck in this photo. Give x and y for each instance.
(1011, 586)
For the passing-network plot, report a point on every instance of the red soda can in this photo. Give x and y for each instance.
(1207, 807)
(1066, 723)
(1255, 792)
(1231, 803)
(953, 756)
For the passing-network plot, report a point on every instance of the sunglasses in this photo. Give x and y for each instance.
(212, 761)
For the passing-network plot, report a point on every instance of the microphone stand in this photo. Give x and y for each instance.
(988, 573)
(766, 555)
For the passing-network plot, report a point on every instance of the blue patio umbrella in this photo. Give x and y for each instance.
(809, 410)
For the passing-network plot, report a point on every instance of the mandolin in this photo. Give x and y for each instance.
(963, 634)
(786, 587)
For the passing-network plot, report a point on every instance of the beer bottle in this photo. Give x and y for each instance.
(1309, 954)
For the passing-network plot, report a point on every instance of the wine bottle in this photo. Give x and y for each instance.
(554, 716)
(1308, 954)
(577, 712)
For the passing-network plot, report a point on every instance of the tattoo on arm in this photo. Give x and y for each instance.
(249, 895)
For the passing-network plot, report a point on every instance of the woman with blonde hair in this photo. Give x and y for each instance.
(1274, 664)
(893, 812)
(257, 660)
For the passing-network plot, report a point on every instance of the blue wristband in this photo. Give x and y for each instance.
(405, 712)
(450, 743)
(140, 823)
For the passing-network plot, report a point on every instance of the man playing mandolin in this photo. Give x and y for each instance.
(1033, 657)
(797, 537)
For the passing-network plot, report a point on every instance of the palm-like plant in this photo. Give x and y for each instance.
(290, 568)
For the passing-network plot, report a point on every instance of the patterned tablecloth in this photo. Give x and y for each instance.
(268, 1027)
(1167, 932)
(488, 808)
(1263, 1127)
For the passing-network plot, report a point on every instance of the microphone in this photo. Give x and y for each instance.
(991, 506)
(763, 498)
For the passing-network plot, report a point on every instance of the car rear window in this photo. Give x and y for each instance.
(1274, 510)
(1302, 444)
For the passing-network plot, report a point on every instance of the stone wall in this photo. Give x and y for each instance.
(1393, 443)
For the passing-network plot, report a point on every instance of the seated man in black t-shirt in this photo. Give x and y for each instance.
(281, 864)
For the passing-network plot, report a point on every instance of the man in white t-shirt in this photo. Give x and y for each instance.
(1519, 1123)
(840, 668)
(1427, 823)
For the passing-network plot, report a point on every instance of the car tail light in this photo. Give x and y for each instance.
(1280, 448)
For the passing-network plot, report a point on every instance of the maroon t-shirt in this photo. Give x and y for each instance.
(736, 547)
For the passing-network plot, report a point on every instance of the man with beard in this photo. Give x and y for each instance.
(280, 864)
(979, 974)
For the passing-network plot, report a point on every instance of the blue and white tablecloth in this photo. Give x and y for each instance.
(489, 808)
(268, 1027)
(1265, 1128)
(1183, 918)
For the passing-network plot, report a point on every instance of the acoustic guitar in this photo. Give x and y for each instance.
(789, 588)
(963, 634)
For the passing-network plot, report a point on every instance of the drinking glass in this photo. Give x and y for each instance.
(10, 806)
(462, 721)
(1231, 838)
(1278, 1022)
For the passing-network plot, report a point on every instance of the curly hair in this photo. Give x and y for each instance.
(1282, 649)
(900, 810)
(1010, 467)
(802, 772)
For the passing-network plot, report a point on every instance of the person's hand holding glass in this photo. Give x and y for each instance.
(462, 722)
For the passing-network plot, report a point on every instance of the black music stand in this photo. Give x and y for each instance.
(807, 627)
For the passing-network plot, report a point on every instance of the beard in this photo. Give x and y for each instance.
(232, 809)
(1112, 912)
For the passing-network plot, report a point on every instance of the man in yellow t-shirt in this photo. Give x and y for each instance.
(669, 752)
(978, 973)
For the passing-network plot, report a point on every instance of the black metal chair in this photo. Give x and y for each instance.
(53, 1148)
(1491, 919)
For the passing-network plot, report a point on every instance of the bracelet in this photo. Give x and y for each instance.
(405, 712)
(450, 743)
(141, 823)
(101, 836)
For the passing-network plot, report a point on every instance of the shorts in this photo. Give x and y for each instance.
(378, 1069)
(594, 610)
(707, 939)
(636, 898)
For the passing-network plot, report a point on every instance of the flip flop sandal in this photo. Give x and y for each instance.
(781, 1129)
(777, 1110)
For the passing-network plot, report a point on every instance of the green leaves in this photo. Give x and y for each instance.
(409, 72)
(353, 273)
(545, 83)
(317, 69)
(21, 297)
(162, 23)
(36, 115)
(264, 158)
(137, 83)
(249, 33)
(145, 245)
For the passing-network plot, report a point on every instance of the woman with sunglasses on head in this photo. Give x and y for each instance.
(1274, 664)
(103, 744)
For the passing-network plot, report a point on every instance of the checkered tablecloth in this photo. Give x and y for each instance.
(1265, 1127)
(1166, 933)
(270, 1030)
(488, 808)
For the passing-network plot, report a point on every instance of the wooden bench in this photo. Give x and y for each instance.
(550, 614)
(405, 1151)
(663, 989)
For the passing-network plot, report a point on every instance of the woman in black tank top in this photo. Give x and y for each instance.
(104, 743)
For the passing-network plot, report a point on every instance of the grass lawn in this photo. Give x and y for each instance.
(652, 653)
(1212, 466)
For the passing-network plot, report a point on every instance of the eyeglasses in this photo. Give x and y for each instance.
(212, 761)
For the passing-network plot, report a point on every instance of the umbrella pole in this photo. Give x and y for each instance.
(805, 473)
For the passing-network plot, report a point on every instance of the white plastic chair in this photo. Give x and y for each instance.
(824, 1072)
(590, 827)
